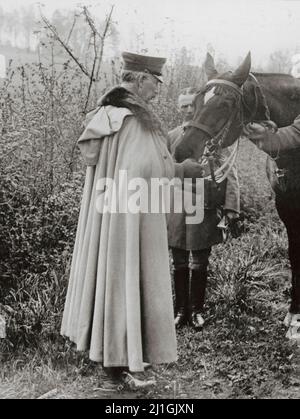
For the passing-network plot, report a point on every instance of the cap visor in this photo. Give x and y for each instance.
(159, 78)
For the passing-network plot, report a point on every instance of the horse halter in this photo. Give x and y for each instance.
(216, 141)
(205, 128)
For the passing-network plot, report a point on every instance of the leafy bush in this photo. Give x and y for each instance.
(40, 192)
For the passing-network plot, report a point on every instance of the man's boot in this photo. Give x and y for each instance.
(198, 290)
(181, 282)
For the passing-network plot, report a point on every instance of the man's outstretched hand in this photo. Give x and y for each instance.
(258, 132)
(192, 169)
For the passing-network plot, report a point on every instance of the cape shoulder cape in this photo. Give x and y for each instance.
(119, 301)
(103, 122)
(108, 119)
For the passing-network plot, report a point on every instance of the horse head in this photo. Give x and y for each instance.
(218, 111)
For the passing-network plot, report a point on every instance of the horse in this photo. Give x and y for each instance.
(226, 104)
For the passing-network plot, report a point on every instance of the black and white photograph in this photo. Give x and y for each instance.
(150, 202)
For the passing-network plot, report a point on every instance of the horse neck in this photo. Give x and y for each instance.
(282, 96)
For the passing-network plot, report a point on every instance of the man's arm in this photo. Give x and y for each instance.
(285, 139)
(188, 169)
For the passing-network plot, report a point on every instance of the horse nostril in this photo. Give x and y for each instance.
(177, 156)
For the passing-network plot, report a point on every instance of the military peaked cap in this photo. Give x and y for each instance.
(144, 63)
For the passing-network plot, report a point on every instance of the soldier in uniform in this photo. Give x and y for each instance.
(196, 240)
(119, 300)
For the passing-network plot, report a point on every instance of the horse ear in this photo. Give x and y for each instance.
(242, 73)
(209, 66)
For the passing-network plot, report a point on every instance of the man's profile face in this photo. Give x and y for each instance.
(148, 89)
(186, 107)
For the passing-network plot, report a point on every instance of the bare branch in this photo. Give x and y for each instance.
(97, 41)
(108, 22)
(92, 74)
(67, 49)
(90, 21)
(71, 30)
(103, 37)
(94, 35)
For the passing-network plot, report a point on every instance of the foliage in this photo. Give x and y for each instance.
(40, 188)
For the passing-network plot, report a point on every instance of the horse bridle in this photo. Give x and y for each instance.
(214, 137)
(240, 92)
(216, 141)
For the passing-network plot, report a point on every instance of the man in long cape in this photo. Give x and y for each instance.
(119, 300)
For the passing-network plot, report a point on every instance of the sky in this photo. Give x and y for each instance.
(232, 27)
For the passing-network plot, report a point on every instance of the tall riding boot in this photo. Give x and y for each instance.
(198, 290)
(295, 305)
(181, 282)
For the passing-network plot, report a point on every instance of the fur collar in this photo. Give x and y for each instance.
(123, 98)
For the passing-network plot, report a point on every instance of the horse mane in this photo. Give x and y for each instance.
(290, 86)
(258, 74)
(282, 92)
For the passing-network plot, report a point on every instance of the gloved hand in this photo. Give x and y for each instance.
(192, 169)
(257, 132)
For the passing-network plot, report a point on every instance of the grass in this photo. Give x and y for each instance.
(242, 352)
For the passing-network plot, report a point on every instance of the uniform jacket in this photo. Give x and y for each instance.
(206, 234)
(283, 147)
(285, 139)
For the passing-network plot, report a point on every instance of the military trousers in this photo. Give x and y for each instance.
(194, 259)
